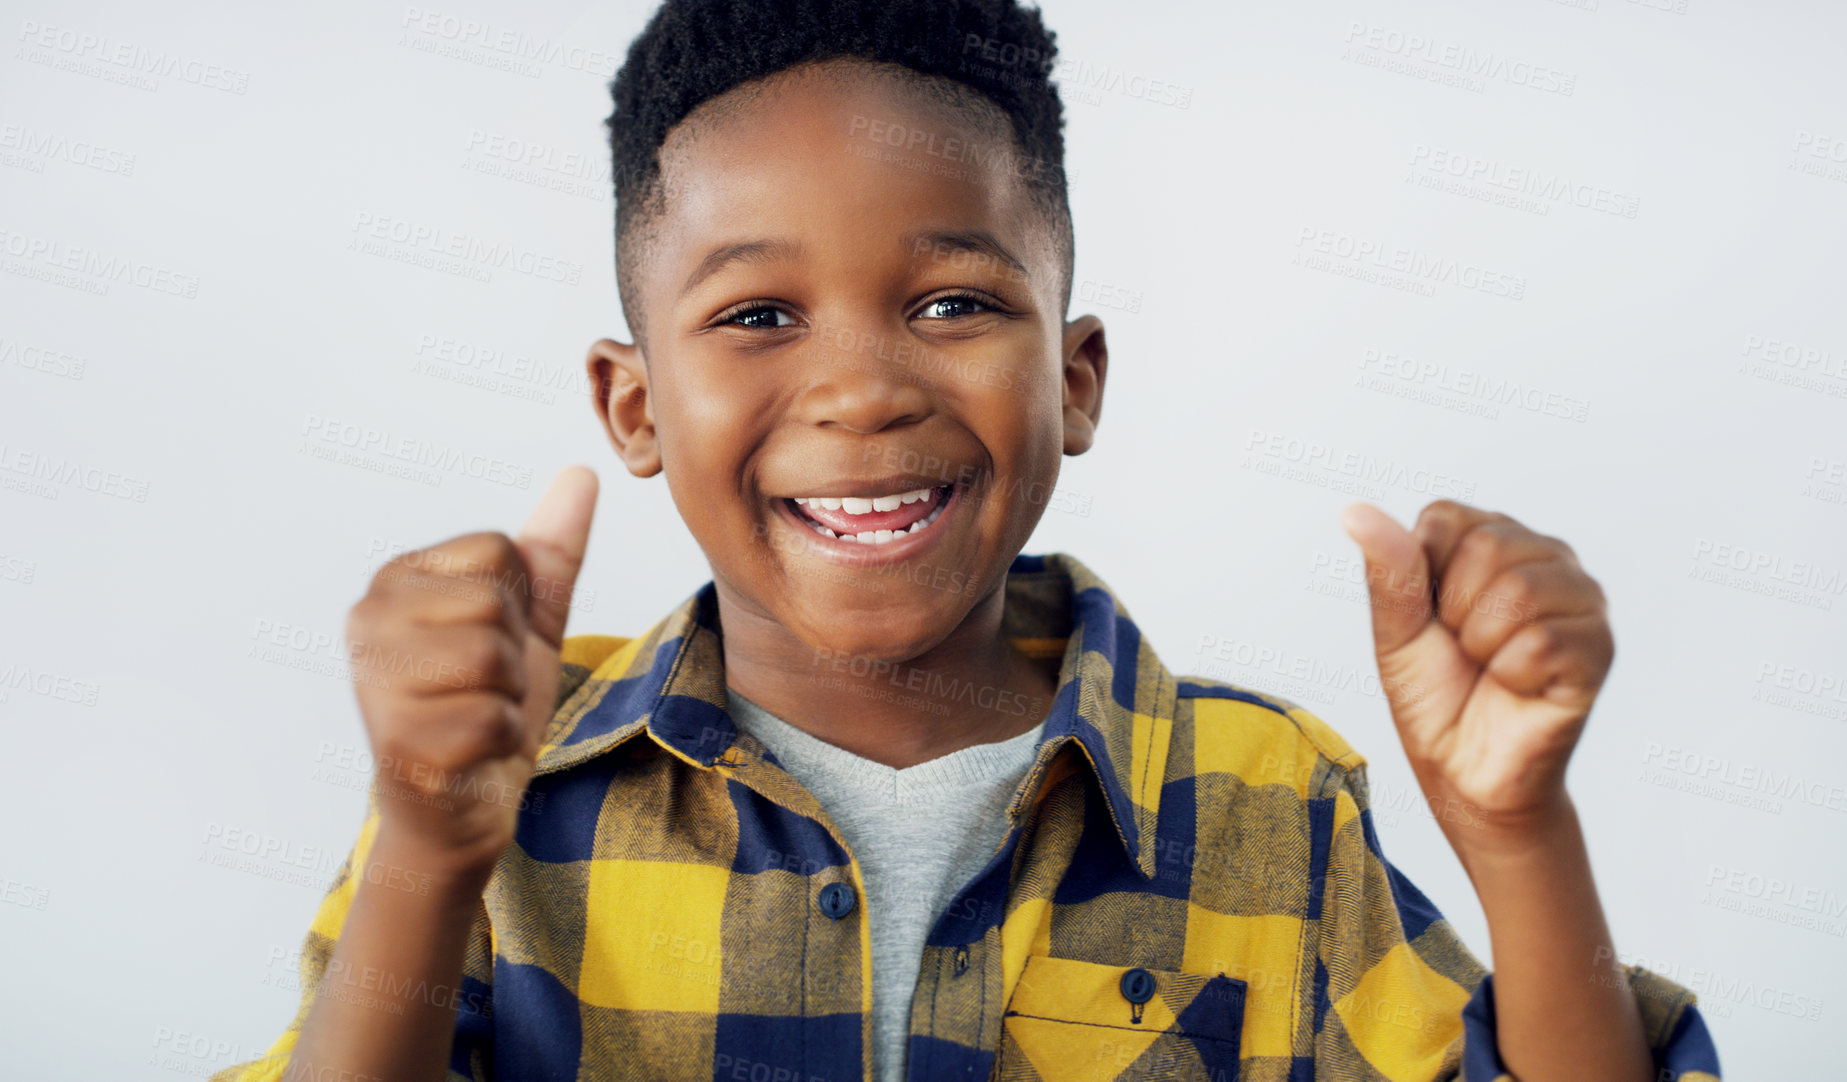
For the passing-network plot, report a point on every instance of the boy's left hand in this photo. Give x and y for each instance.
(1492, 643)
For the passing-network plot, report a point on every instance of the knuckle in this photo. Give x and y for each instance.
(487, 729)
(490, 548)
(477, 650)
(405, 564)
(1485, 542)
(1437, 509)
(1548, 640)
(1520, 586)
(488, 658)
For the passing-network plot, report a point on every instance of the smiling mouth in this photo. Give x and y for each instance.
(872, 521)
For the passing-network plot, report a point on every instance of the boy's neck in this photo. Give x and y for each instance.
(972, 688)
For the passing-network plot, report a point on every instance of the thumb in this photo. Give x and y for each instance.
(552, 543)
(1397, 575)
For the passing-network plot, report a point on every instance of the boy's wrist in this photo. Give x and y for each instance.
(400, 857)
(1489, 837)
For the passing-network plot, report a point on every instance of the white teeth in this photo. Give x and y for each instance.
(860, 505)
(853, 505)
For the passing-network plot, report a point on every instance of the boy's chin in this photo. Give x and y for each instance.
(900, 622)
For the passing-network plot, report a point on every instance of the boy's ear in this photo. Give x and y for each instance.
(619, 394)
(1086, 363)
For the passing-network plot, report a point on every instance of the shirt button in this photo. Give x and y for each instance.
(1138, 985)
(836, 900)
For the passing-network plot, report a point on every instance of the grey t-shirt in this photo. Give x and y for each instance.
(919, 835)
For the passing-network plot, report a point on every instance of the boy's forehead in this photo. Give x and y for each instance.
(842, 158)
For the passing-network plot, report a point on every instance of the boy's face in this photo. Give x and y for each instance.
(892, 323)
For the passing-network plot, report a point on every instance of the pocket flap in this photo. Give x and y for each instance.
(1082, 1022)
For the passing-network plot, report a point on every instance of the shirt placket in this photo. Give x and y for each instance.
(961, 995)
(837, 944)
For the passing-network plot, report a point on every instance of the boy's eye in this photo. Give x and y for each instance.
(953, 306)
(763, 315)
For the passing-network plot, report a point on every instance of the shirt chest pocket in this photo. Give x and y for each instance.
(1082, 1022)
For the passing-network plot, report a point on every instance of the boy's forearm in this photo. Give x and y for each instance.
(378, 1014)
(1563, 1008)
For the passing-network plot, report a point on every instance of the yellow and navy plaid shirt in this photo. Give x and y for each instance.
(1191, 889)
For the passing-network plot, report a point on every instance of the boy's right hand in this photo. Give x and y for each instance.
(455, 663)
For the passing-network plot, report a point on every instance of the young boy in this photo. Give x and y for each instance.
(887, 799)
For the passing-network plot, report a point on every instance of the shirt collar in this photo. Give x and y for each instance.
(1115, 699)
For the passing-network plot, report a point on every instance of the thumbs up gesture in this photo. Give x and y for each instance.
(1492, 643)
(454, 651)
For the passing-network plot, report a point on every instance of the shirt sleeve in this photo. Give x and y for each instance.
(471, 1054)
(1397, 993)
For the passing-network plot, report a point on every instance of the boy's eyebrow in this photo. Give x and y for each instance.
(755, 251)
(938, 241)
(975, 241)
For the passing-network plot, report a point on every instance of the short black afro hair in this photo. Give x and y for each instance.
(695, 50)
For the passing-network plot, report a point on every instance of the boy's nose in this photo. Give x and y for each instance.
(864, 382)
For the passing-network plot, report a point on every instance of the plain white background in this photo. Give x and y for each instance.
(1579, 262)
